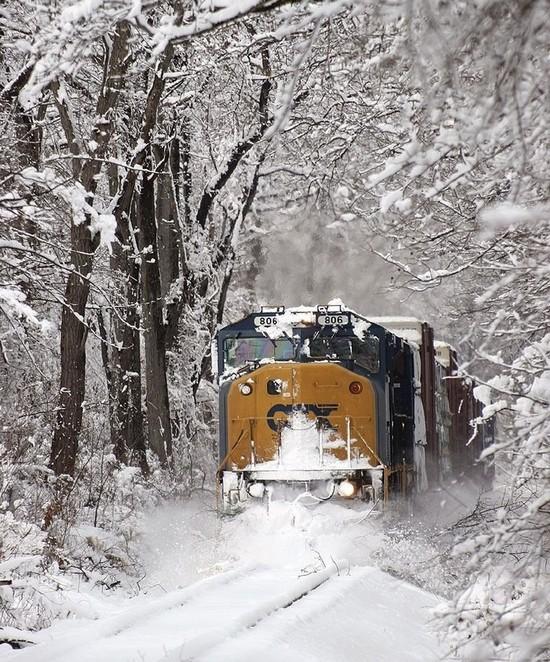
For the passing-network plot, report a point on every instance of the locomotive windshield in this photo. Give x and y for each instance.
(330, 348)
(365, 353)
(239, 351)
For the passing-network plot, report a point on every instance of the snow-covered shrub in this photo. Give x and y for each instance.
(504, 613)
(61, 540)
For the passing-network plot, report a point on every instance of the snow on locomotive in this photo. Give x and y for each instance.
(325, 398)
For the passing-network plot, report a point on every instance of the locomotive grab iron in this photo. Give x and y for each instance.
(325, 397)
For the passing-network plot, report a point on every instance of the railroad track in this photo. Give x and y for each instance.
(239, 612)
(185, 624)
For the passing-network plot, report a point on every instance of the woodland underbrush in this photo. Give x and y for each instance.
(419, 539)
(66, 543)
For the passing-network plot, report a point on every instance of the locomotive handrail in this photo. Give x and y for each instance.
(376, 457)
(221, 465)
(266, 418)
(349, 420)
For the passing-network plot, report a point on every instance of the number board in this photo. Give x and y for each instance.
(265, 320)
(333, 319)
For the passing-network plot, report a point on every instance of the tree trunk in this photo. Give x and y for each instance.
(73, 353)
(168, 227)
(83, 246)
(180, 181)
(127, 434)
(158, 408)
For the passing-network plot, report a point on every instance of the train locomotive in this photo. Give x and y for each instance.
(340, 405)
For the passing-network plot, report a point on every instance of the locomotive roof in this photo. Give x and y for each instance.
(408, 328)
(276, 321)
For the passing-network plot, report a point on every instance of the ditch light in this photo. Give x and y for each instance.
(347, 489)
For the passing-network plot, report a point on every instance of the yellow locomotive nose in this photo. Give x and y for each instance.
(284, 407)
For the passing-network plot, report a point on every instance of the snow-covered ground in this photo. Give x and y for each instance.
(301, 582)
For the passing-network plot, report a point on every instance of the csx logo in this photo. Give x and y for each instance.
(322, 412)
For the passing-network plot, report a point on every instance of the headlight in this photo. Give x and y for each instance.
(346, 489)
(245, 389)
(256, 490)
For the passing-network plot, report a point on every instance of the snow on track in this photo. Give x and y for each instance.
(182, 624)
(269, 613)
(231, 612)
(368, 616)
(273, 593)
